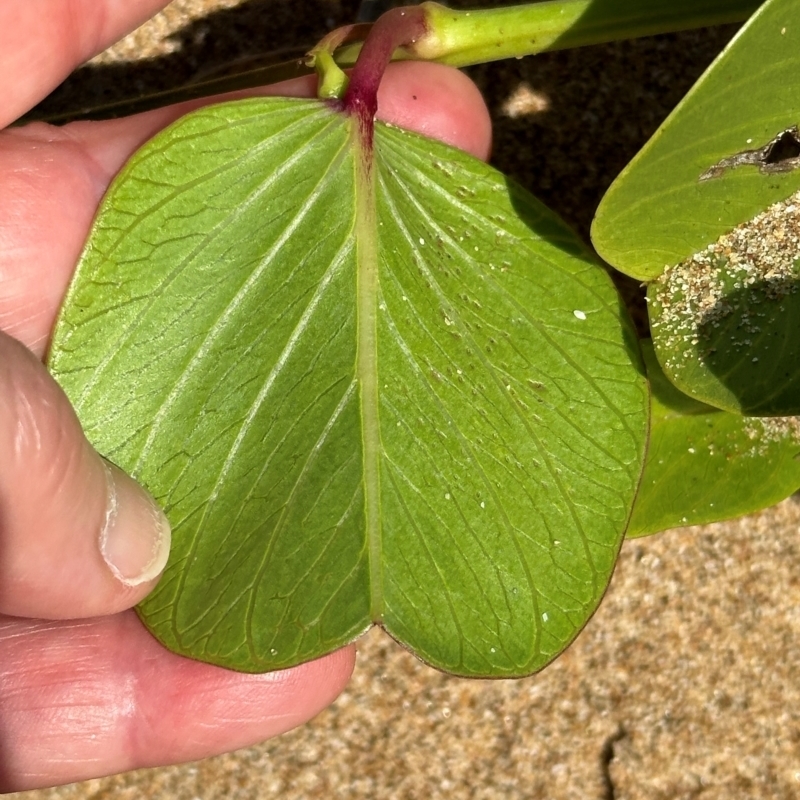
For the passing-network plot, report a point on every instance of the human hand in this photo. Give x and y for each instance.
(84, 689)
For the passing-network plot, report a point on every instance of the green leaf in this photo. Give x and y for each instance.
(705, 465)
(366, 386)
(659, 212)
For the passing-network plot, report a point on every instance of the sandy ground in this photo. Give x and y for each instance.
(684, 683)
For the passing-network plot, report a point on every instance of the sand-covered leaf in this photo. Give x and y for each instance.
(705, 465)
(729, 150)
(367, 385)
(725, 321)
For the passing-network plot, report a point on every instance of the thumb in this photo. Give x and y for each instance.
(78, 537)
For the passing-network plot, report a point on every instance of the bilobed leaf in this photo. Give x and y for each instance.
(659, 212)
(705, 465)
(368, 386)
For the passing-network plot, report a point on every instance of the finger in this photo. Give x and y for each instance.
(107, 697)
(54, 178)
(438, 102)
(77, 537)
(42, 42)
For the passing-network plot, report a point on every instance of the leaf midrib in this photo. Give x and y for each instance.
(367, 289)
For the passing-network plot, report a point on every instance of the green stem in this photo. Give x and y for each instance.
(462, 38)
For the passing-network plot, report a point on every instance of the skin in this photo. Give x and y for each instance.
(84, 690)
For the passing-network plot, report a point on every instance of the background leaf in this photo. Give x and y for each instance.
(420, 407)
(705, 465)
(658, 212)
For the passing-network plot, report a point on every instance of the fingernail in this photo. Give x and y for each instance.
(136, 535)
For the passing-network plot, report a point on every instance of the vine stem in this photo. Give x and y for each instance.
(464, 37)
(460, 38)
